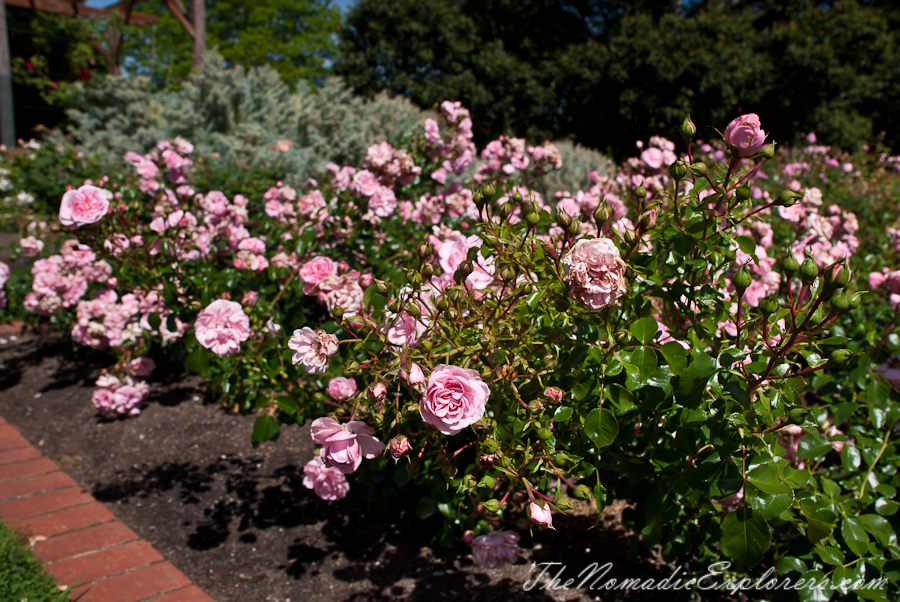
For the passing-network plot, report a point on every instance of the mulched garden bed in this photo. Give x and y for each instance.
(238, 521)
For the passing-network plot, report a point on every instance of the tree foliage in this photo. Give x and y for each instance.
(295, 37)
(608, 72)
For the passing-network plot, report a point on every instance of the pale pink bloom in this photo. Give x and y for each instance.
(315, 270)
(794, 213)
(383, 202)
(341, 291)
(341, 389)
(250, 298)
(432, 131)
(380, 154)
(746, 135)
(406, 330)
(569, 205)
(253, 245)
(327, 483)
(222, 327)
(653, 157)
(439, 175)
(495, 549)
(345, 445)
(540, 514)
(454, 399)
(876, 279)
(847, 167)
(310, 204)
(313, 349)
(172, 159)
(595, 272)
(31, 246)
(86, 205)
(141, 366)
(366, 183)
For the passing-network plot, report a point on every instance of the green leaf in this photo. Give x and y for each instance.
(287, 404)
(562, 414)
(886, 507)
(645, 360)
(850, 457)
(601, 427)
(197, 361)
(691, 384)
(745, 536)
(265, 428)
(769, 504)
(816, 587)
(855, 535)
(644, 330)
(816, 530)
(721, 479)
(747, 245)
(878, 527)
(766, 479)
(675, 355)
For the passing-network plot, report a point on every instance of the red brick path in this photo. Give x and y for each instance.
(81, 544)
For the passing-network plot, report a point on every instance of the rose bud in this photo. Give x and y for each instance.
(582, 492)
(540, 515)
(250, 298)
(377, 391)
(399, 446)
(554, 393)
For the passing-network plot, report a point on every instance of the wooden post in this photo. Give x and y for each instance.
(7, 124)
(198, 16)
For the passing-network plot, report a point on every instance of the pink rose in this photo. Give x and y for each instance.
(745, 134)
(399, 446)
(313, 349)
(345, 445)
(341, 389)
(653, 157)
(414, 376)
(315, 270)
(86, 205)
(540, 514)
(327, 483)
(493, 550)
(141, 366)
(595, 272)
(454, 399)
(222, 327)
(432, 132)
(876, 279)
(250, 298)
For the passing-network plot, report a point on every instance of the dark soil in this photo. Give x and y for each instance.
(238, 521)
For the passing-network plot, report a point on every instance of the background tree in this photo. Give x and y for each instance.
(295, 37)
(608, 72)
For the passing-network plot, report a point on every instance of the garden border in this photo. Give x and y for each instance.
(76, 537)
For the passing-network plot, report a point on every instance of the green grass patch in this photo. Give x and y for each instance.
(21, 575)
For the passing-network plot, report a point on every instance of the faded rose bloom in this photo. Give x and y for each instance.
(454, 399)
(595, 272)
(493, 550)
(554, 393)
(399, 446)
(83, 206)
(222, 327)
(327, 483)
(745, 134)
(540, 514)
(341, 389)
(31, 246)
(345, 445)
(313, 349)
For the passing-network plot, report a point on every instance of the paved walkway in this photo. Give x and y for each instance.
(80, 542)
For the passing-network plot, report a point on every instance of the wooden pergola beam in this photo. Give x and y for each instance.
(76, 9)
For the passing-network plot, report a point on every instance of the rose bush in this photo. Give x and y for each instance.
(708, 334)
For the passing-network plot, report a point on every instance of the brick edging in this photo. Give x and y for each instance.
(80, 542)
